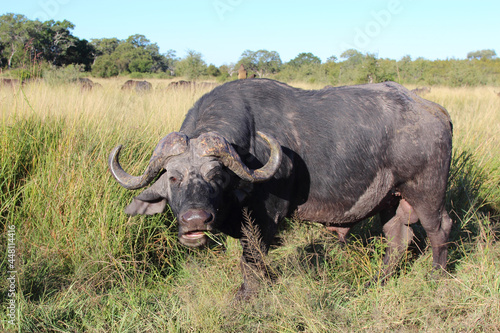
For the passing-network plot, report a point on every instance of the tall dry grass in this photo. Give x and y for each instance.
(476, 127)
(84, 266)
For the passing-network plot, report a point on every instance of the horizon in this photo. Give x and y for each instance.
(221, 30)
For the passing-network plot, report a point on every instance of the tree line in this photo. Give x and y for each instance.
(31, 48)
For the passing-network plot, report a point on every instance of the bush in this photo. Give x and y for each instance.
(136, 75)
(105, 67)
(63, 75)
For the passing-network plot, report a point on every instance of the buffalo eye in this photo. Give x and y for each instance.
(217, 177)
(211, 174)
(211, 171)
(175, 179)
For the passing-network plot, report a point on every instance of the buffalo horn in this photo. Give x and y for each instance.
(173, 144)
(213, 144)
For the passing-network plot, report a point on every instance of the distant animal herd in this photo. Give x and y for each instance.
(145, 86)
(86, 84)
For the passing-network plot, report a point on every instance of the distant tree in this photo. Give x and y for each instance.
(61, 40)
(386, 70)
(262, 62)
(212, 70)
(227, 71)
(161, 62)
(36, 44)
(353, 57)
(104, 46)
(350, 68)
(332, 59)
(304, 59)
(13, 35)
(464, 73)
(140, 62)
(2, 56)
(135, 54)
(482, 55)
(80, 53)
(52, 41)
(140, 52)
(192, 65)
(332, 71)
(248, 59)
(123, 55)
(169, 60)
(421, 68)
(268, 62)
(367, 71)
(405, 70)
(105, 66)
(138, 41)
(406, 59)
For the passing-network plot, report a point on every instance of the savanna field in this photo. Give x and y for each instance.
(82, 265)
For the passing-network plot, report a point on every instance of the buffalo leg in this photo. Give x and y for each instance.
(399, 235)
(437, 224)
(427, 198)
(341, 233)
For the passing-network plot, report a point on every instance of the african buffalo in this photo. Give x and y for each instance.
(87, 84)
(180, 84)
(32, 81)
(191, 84)
(138, 86)
(421, 91)
(335, 156)
(11, 83)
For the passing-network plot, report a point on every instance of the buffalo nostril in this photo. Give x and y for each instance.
(210, 219)
(197, 216)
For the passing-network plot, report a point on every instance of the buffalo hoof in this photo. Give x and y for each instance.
(437, 273)
(245, 293)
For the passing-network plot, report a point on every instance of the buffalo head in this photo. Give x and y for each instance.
(194, 173)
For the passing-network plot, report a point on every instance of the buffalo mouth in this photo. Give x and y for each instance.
(194, 238)
(194, 226)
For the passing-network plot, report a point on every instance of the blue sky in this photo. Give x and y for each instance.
(222, 29)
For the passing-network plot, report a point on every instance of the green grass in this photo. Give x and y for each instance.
(84, 266)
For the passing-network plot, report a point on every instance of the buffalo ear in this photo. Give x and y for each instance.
(145, 208)
(148, 202)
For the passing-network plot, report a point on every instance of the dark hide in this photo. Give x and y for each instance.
(348, 153)
(138, 86)
(11, 83)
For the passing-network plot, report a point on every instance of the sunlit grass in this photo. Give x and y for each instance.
(84, 266)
